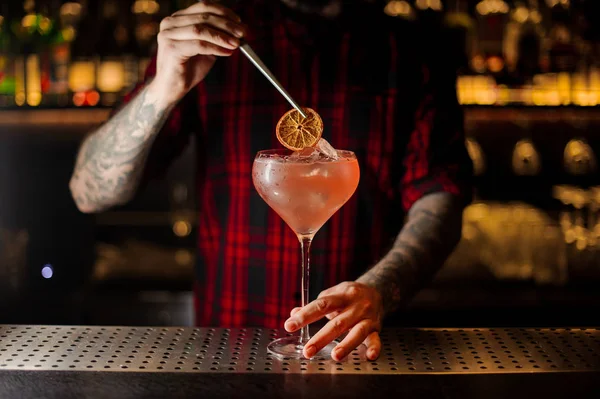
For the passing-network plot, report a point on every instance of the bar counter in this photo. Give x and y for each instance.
(134, 362)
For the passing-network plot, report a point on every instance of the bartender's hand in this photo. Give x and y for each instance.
(351, 307)
(189, 42)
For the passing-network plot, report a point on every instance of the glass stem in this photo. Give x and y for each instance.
(305, 249)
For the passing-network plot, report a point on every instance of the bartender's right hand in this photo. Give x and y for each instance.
(189, 42)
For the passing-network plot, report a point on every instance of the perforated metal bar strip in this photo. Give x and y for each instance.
(203, 350)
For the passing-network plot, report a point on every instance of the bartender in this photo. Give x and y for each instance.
(380, 94)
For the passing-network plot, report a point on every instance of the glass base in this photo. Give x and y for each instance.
(290, 347)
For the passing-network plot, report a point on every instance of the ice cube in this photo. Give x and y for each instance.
(321, 151)
(326, 149)
(309, 154)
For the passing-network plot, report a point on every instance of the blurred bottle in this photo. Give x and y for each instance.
(38, 82)
(562, 50)
(523, 41)
(461, 32)
(84, 58)
(130, 50)
(111, 67)
(58, 53)
(7, 58)
(31, 29)
(147, 15)
(590, 11)
(491, 16)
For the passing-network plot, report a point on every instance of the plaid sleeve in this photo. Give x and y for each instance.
(436, 158)
(173, 137)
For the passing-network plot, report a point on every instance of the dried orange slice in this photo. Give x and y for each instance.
(296, 133)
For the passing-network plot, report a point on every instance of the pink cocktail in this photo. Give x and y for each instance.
(305, 191)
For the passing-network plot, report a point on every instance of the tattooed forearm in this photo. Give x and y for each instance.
(430, 234)
(110, 161)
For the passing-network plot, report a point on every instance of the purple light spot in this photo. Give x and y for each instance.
(47, 271)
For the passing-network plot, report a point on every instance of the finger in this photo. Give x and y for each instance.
(191, 48)
(329, 316)
(373, 344)
(209, 7)
(355, 337)
(329, 332)
(204, 33)
(329, 291)
(216, 21)
(314, 311)
(332, 315)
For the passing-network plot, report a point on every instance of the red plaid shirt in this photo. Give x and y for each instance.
(378, 96)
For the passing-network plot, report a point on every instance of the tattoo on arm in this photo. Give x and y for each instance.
(430, 234)
(111, 160)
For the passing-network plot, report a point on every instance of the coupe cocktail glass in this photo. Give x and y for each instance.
(305, 192)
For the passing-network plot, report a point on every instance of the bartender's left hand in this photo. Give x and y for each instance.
(351, 307)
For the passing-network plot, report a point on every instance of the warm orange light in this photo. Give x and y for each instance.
(92, 98)
(399, 8)
(20, 81)
(111, 76)
(44, 25)
(503, 95)
(68, 33)
(486, 7)
(28, 20)
(521, 14)
(478, 64)
(82, 76)
(535, 16)
(78, 99)
(33, 80)
(564, 88)
(70, 9)
(20, 98)
(184, 257)
(462, 89)
(477, 156)
(495, 64)
(145, 7)
(182, 228)
(526, 161)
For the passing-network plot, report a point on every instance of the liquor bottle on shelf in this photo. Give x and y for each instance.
(461, 31)
(52, 54)
(111, 66)
(58, 53)
(38, 87)
(30, 29)
(523, 41)
(7, 73)
(130, 51)
(84, 59)
(585, 39)
(491, 18)
(562, 51)
(146, 26)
